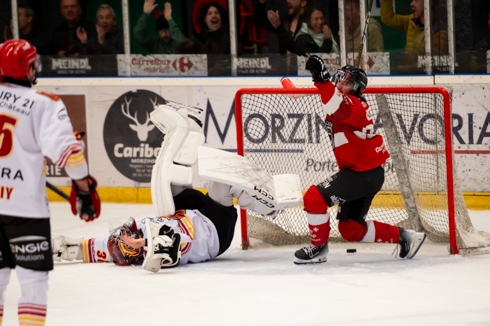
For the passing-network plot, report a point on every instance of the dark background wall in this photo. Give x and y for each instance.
(471, 18)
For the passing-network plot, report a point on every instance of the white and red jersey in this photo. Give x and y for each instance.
(199, 238)
(356, 146)
(33, 125)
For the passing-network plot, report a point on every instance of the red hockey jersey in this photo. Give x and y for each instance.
(355, 145)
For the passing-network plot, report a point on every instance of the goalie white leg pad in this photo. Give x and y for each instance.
(65, 248)
(177, 154)
(163, 251)
(256, 189)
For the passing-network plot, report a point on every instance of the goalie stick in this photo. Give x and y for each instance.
(366, 23)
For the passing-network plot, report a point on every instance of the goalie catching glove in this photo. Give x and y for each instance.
(316, 66)
(86, 204)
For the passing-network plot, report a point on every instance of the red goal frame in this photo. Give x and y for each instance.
(289, 89)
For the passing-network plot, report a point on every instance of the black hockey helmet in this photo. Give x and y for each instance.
(357, 76)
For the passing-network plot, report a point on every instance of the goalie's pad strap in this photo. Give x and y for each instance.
(177, 154)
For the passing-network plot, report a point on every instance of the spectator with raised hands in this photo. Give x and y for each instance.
(169, 34)
(285, 28)
(110, 37)
(413, 26)
(315, 35)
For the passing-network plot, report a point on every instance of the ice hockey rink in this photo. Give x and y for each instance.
(262, 286)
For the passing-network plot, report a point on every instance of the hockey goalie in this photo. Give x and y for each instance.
(189, 226)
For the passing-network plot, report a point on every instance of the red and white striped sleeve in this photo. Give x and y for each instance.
(59, 142)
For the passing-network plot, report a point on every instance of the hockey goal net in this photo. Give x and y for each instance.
(282, 130)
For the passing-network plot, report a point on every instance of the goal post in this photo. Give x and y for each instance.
(282, 130)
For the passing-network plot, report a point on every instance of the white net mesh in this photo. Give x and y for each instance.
(285, 133)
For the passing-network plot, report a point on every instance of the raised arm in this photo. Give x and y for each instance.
(389, 18)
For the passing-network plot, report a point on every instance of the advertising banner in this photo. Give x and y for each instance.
(374, 63)
(163, 65)
(123, 143)
(471, 135)
(100, 65)
(267, 65)
(131, 140)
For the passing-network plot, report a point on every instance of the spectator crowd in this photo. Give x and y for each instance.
(281, 27)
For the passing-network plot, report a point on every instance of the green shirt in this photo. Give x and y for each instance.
(157, 45)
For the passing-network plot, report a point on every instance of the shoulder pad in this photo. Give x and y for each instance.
(52, 96)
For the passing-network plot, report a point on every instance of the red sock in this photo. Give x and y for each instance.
(381, 232)
(319, 225)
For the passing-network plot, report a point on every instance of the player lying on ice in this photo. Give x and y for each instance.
(360, 154)
(190, 227)
(201, 229)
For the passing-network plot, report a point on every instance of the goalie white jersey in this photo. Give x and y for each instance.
(33, 125)
(199, 238)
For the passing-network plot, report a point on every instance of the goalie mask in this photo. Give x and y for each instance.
(356, 76)
(121, 253)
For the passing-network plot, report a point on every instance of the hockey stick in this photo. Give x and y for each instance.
(57, 191)
(361, 47)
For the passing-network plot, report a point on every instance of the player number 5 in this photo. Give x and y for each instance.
(7, 126)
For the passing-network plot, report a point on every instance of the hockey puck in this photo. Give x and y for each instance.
(351, 251)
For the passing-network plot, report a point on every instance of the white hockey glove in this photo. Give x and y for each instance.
(65, 248)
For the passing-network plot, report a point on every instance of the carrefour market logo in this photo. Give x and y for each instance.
(131, 140)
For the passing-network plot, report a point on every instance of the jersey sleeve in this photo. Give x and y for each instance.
(94, 250)
(347, 109)
(331, 97)
(58, 141)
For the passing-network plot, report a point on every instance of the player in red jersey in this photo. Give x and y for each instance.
(360, 154)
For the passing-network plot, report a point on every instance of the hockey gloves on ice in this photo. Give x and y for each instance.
(85, 203)
(316, 66)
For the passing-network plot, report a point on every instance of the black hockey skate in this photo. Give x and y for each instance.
(311, 254)
(410, 243)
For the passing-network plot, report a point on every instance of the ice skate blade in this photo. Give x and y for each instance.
(317, 260)
(416, 244)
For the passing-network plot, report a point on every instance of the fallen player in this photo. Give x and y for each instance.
(189, 227)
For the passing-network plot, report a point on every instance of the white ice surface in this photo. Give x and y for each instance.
(262, 286)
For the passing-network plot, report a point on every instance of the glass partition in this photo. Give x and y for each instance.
(259, 38)
(472, 36)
